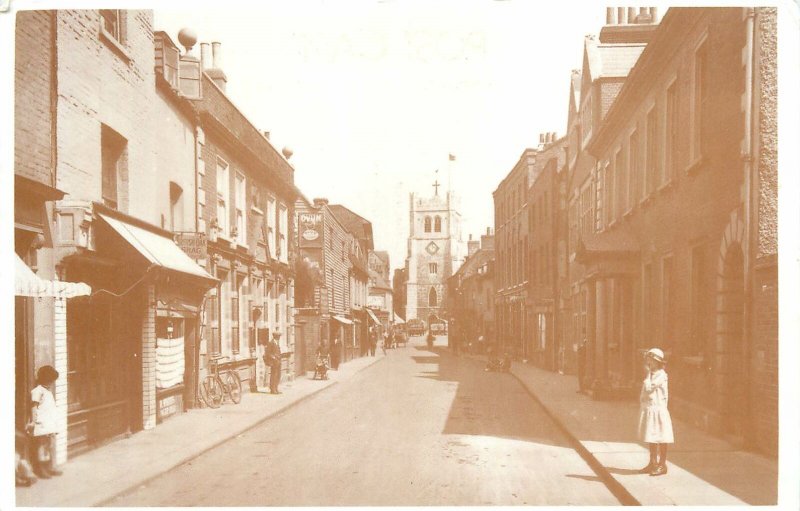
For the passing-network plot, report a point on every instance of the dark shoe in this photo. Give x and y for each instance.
(42, 474)
(54, 472)
(649, 468)
(660, 470)
(277, 392)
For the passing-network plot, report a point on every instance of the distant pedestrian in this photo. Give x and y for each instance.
(384, 342)
(336, 353)
(655, 423)
(581, 355)
(43, 424)
(273, 360)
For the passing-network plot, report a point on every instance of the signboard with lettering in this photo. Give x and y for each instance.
(310, 229)
(194, 244)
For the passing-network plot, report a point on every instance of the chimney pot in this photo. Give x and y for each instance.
(216, 50)
(205, 55)
(653, 14)
(266, 135)
(621, 17)
(541, 138)
(320, 201)
(610, 16)
(631, 15)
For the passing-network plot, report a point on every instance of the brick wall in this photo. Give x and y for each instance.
(764, 366)
(100, 85)
(149, 361)
(60, 363)
(32, 106)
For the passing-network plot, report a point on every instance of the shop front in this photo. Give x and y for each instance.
(132, 346)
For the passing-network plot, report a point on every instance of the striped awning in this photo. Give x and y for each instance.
(373, 317)
(343, 320)
(27, 283)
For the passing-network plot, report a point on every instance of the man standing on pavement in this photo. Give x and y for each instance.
(582, 364)
(273, 357)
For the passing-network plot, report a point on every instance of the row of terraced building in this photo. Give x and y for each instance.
(653, 221)
(156, 227)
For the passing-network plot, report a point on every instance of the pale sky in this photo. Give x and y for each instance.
(373, 96)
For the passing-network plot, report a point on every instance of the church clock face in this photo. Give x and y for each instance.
(432, 248)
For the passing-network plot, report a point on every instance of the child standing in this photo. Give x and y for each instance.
(43, 424)
(655, 424)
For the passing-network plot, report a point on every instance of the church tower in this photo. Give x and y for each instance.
(435, 251)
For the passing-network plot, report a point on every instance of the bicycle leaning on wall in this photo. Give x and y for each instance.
(218, 384)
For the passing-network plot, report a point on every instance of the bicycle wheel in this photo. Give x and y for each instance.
(233, 386)
(211, 391)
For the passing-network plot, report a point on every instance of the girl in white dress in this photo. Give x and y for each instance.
(655, 423)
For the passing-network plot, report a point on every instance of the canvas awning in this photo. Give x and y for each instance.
(398, 319)
(373, 317)
(157, 249)
(27, 283)
(343, 320)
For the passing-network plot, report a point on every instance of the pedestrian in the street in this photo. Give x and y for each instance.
(336, 353)
(384, 341)
(581, 355)
(273, 360)
(655, 423)
(43, 424)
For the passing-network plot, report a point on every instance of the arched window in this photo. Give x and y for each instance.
(427, 224)
(432, 298)
(437, 225)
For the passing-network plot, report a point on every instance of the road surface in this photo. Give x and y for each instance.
(419, 428)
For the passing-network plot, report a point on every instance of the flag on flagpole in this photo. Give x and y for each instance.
(452, 157)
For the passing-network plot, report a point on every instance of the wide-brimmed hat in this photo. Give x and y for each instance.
(656, 354)
(276, 334)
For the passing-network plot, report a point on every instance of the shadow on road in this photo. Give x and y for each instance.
(487, 403)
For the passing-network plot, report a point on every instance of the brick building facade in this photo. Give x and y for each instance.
(682, 251)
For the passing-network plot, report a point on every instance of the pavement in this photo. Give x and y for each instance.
(702, 469)
(420, 428)
(97, 476)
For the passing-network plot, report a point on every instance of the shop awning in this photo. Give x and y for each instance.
(373, 317)
(343, 320)
(27, 283)
(157, 249)
(398, 319)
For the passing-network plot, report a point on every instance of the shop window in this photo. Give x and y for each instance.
(170, 363)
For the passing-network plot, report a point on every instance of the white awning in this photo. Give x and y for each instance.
(398, 319)
(157, 249)
(343, 320)
(27, 283)
(373, 316)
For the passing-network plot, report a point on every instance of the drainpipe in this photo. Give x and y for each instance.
(750, 197)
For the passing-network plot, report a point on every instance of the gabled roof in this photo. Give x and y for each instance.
(606, 60)
(380, 282)
(358, 226)
(475, 261)
(382, 255)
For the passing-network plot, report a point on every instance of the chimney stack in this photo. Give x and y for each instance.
(320, 201)
(472, 246)
(215, 71)
(631, 25)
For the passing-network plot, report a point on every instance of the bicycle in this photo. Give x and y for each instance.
(216, 385)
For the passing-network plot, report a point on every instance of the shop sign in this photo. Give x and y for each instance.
(310, 226)
(194, 244)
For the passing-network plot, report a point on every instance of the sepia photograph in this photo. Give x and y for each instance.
(400, 253)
